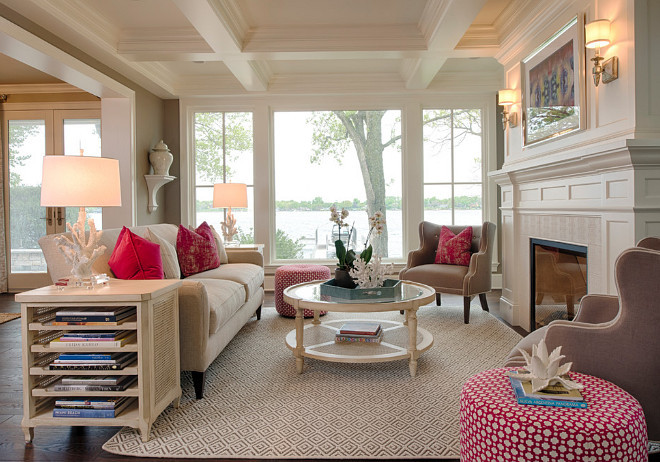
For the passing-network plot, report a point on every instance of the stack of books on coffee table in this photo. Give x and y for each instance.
(359, 331)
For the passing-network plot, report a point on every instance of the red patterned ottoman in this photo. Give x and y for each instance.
(289, 275)
(494, 427)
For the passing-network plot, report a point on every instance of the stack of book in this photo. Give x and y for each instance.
(93, 316)
(93, 362)
(553, 395)
(93, 408)
(95, 383)
(360, 331)
(94, 339)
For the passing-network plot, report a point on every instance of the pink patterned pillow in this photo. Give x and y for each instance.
(135, 257)
(196, 249)
(454, 249)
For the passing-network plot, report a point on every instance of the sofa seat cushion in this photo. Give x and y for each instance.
(225, 299)
(250, 276)
(439, 276)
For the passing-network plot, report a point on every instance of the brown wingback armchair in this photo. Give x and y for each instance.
(615, 338)
(467, 281)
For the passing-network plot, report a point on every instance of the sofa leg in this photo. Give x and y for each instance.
(466, 310)
(438, 300)
(484, 302)
(198, 382)
(258, 313)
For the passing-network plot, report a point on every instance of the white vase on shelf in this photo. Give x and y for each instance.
(161, 159)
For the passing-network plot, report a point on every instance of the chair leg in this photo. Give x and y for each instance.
(484, 302)
(258, 313)
(401, 311)
(466, 310)
(437, 299)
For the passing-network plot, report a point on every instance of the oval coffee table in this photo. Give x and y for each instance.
(401, 340)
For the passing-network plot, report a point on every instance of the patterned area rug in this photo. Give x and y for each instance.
(6, 317)
(257, 406)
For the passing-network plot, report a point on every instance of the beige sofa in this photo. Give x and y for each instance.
(213, 305)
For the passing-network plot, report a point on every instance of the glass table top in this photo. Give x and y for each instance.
(312, 292)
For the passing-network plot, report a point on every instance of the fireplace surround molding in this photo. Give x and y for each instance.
(605, 199)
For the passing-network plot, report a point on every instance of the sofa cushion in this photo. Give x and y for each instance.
(196, 250)
(250, 276)
(222, 253)
(225, 299)
(167, 254)
(135, 257)
(454, 249)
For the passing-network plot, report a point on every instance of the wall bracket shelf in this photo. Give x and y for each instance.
(154, 183)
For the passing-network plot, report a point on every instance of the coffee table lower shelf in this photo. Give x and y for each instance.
(319, 342)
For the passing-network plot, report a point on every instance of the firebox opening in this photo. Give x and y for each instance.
(558, 280)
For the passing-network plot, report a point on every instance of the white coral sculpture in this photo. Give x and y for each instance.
(79, 250)
(370, 275)
(544, 370)
(229, 229)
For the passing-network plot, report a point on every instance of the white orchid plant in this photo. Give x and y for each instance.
(347, 257)
(544, 370)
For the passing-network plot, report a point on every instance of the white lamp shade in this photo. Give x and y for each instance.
(230, 195)
(507, 97)
(77, 181)
(597, 33)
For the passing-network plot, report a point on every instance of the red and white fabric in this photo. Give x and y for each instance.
(494, 427)
(289, 275)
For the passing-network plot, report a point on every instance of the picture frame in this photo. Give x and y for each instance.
(553, 86)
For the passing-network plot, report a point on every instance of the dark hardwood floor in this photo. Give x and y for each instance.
(71, 443)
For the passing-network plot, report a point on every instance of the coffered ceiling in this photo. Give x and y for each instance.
(180, 48)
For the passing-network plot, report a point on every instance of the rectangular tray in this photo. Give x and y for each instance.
(391, 291)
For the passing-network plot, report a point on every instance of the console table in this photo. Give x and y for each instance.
(495, 427)
(157, 347)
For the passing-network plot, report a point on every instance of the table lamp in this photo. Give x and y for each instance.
(78, 181)
(229, 195)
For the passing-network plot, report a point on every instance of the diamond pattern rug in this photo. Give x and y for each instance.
(257, 406)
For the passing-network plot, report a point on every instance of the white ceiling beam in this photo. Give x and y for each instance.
(443, 24)
(216, 21)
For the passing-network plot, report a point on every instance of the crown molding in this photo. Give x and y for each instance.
(433, 14)
(229, 12)
(32, 88)
(334, 38)
(480, 36)
(158, 40)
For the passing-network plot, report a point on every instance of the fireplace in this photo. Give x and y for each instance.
(558, 280)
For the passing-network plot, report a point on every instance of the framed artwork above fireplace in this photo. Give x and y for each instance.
(553, 86)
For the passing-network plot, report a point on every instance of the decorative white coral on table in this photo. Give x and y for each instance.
(80, 250)
(372, 274)
(229, 229)
(544, 370)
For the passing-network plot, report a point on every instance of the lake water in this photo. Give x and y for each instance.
(314, 227)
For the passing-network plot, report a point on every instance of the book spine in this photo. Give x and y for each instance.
(91, 357)
(90, 388)
(94, 312)
(85, 361)
(83, 335)
(84, 413)
(103, 324)
(109, 344)
(341, 338)
(89, 318)
(552, 402)
(85, 367)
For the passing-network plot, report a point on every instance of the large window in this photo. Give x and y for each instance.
(223, 154)
(348, 158)
(452, 166)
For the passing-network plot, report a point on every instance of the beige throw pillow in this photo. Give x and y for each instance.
(168, 255)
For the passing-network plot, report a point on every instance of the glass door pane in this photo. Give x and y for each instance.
(27, 147)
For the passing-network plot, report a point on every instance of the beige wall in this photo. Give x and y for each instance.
(171, 137)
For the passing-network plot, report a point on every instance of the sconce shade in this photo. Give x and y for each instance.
(78, 181)
(230, 195)
(507, 97)
(597, 33)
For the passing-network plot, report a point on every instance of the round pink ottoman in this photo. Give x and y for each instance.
(289, 275)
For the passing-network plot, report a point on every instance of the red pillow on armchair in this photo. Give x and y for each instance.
(196, 249)
(454, 249)
(135, 257)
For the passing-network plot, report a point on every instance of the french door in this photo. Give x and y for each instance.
(29, 136)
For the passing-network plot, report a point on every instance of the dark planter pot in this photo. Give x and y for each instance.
(343, 279)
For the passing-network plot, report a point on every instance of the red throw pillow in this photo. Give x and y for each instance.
(196, 249)
(135, 257)
(454, 249)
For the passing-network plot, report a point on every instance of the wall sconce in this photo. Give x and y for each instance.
(506, 98)
(597, 34)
